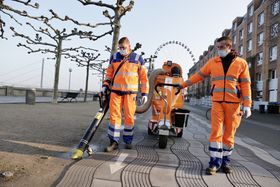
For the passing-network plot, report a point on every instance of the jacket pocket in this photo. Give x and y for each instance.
(212, 89)
(238, 92)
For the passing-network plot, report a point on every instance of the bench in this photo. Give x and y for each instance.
(69, 95)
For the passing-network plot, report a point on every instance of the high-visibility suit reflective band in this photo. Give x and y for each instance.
(232, 87)
(116, 103)
(128, 76)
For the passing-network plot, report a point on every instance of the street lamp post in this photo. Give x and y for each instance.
(70, 71)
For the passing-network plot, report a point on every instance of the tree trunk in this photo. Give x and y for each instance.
(57, 67)
(86, 89)
(116, 34)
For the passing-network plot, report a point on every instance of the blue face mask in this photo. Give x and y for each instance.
(123, 52)
(223, 53)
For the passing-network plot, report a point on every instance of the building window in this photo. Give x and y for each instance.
(275, 7)
(260, 39)
(250, 10)
(234, 26)
(234, 39)
(250, 27)
(272, 74)
(273, 53)
(241, 50)
(249, 45)
(274, 30)
(241, 34)
(259, 58)
(258, 76)
(260, 19)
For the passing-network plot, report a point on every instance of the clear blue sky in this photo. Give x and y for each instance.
(195, 23)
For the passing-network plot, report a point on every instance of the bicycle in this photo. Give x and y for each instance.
(208, 114)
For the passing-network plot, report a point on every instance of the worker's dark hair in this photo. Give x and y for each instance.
(227, 39)
(124, 40)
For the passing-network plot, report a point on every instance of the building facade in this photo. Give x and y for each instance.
(256, 38)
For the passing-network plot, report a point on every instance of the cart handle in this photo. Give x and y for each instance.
(178, 86)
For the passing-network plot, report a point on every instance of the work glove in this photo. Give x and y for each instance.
(104, 90)
(144, 99)
(247, 112)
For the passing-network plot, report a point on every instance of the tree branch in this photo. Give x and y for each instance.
(67, 18)
(128, 8)
(99, 3)
(28, 3)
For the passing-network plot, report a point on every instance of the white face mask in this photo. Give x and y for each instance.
(223, 53)
(123, 52)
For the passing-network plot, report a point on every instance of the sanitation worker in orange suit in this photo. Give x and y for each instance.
(230, 87)
(123, 92)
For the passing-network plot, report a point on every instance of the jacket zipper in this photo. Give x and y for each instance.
(225, 78)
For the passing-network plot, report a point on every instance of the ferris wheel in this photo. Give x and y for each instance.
(175, 51)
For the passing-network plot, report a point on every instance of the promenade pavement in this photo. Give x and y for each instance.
(181, 163)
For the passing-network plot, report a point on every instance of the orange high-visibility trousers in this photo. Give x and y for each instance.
(225, 119)
(117, 102)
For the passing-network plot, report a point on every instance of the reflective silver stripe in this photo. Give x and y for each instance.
(244, 80)
(201, 74)
(216, 154)
(117, 85)
(131, 86)
(189, 82)
(114, 134)
(137, 57)
(227, 153)
(219, 78)
(115, 56)
(216, 90)
(231, 78)
(246, 98)
(128, 133)
(117, 127)
(131, 74)
(128, 73)
(108, 79)
(217, 145)
(125, 86)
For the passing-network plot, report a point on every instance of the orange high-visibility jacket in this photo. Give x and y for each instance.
(127, 78)
(235, 86)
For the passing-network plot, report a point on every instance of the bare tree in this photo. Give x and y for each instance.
(49, 39)
(89, 60)
(10, 12)
(119, 10)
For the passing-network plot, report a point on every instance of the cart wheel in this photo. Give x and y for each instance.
(150, 132)
(162, 141)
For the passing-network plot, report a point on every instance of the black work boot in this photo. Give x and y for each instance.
(226, 168)
(128, 146)
(211, 170)
(113, 146)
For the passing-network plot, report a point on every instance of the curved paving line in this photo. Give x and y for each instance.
(240, 176)
(79, 173)
(274, 170)
(189, 171)
(137, 172)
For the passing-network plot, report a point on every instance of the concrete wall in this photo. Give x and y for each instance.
(19, 91)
